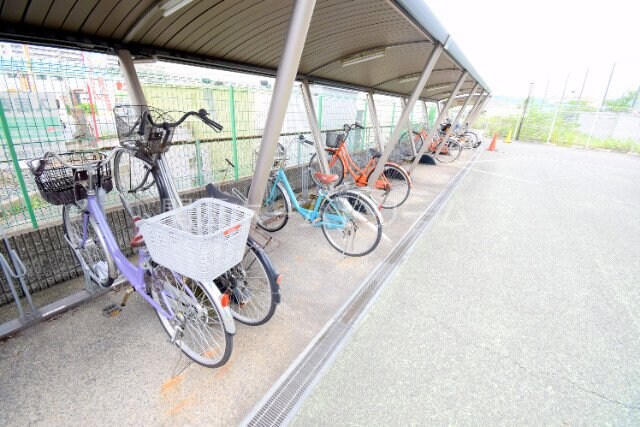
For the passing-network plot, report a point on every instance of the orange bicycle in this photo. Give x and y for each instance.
(392, 187)
(445, 152)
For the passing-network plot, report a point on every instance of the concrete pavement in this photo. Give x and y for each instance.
(521, 304)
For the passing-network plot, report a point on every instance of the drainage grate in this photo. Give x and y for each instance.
(282, 401)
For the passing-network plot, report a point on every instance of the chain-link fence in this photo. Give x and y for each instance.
(600, 111)
(62, 100)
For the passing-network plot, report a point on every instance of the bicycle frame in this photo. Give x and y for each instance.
(350, 166)
(334, 221)
(134, 274)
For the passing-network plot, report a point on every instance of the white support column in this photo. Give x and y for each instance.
(131, 78)
(134, 88)
(438, 107)
(464, 106)
(441, 117)
(409, 130)
(285, 77)
(313, 124)
(483, 104)
(425, 113)
(393, 140)
(376, 123)
(474, 108)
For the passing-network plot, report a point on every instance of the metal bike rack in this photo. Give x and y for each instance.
(17, 271)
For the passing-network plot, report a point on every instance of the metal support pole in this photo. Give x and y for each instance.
(604, 98)
(285, 77)
(313, 125)
(234, 132)
(475, 107)
(137, 98)
(464, 106)
(483, 104)
(441, 117)
(409, 130)
(555, 116)
(377, 131)
(393, 140)
(16, 166)
(131, 78)
(516, 135)
(438, 107)
(425, 113)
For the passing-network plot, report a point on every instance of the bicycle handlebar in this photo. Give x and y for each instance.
(85, 166)
(201, 114)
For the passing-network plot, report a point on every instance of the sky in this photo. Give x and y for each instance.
(515, 43)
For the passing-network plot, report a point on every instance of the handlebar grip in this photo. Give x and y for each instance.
(37, 171)
(203, 116)
(230, 163)
(306, 141)
(358, 125)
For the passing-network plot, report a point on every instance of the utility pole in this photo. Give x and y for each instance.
(524, 112)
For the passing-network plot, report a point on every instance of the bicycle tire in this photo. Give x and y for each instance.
(453, 152)
(403, 147)
(400, 183)
(141, 194)
(336, 169)
(94, 253)
(472, 139)
(344, 207)
(271, 210)
(252, 302)
(195, 313)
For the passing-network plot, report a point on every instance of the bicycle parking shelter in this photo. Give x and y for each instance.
(387, 47)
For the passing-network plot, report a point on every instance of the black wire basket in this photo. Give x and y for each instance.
(58, 184)
(153, 139)
(334, 139)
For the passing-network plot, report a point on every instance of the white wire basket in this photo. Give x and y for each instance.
(201, 240)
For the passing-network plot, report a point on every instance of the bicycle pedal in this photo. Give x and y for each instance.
(112, 310)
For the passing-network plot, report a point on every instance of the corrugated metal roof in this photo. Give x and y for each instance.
(249, 35)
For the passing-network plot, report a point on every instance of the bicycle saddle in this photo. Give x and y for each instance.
(325, 178)
(374, 153)
(215, 193)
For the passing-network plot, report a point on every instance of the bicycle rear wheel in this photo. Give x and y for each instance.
(351, 223)
(450, 152)
(336, 167)
(93, 253)
(197, 327)
(392, 188)
(406, 152)
(252, 287)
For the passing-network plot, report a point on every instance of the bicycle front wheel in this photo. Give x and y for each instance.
(392, 187)
(274, 213)
(197, 327)
(93, 252)
(351, 223)
(252, 287)
(448, 152)
(135, 180)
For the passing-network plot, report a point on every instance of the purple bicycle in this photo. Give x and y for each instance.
(194, 313)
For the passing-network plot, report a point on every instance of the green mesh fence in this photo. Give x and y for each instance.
(62, 100)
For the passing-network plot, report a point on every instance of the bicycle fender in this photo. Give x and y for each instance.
(225, 312)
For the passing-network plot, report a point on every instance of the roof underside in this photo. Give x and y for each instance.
(248, 35)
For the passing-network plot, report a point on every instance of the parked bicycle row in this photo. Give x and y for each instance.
(198, 265)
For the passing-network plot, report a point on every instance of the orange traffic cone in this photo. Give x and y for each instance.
(492, 147)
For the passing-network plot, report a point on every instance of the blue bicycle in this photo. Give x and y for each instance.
(349, 219)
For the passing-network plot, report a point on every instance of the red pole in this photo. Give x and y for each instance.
(93, 114)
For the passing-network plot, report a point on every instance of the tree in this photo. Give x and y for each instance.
(622, 103)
